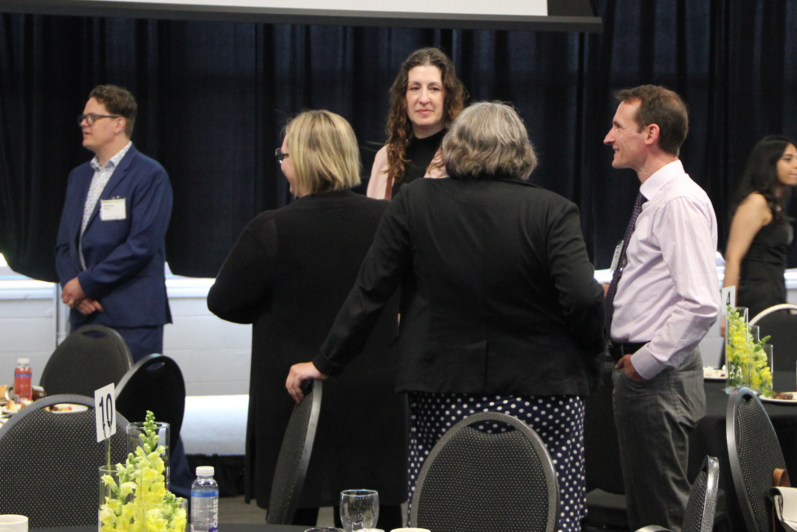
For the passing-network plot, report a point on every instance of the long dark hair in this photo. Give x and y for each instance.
(399, 127)
(761, 174)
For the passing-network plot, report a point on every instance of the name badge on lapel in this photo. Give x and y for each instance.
(616, 257)
(113, 209)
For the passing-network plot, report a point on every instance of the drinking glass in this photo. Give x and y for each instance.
(359, 509)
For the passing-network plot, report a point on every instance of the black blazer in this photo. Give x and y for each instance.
(288, 274)
(497, 292)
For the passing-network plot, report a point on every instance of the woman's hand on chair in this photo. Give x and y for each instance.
(298, 374)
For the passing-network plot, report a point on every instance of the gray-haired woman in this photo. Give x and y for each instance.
(499, 310)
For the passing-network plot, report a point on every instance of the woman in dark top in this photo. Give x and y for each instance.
(755, 258)
(499, 307)
(424, 99)
(288, 275)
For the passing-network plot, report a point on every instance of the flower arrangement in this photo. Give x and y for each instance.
(139, 501)
(761, 373)
(746, 359)
(736, 339)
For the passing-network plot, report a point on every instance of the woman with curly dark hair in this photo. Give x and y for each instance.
(755, 258)
(425, 98)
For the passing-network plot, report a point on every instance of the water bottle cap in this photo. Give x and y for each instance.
(23, 361)
(205, 471)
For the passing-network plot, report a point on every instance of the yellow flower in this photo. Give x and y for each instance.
(109, 481)
(179, 521)
(141, 503)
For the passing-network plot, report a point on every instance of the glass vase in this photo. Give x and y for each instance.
(113, 495)
(119, 509)
(135, 431)
(175, 517)
(738, 348)
(761, 373)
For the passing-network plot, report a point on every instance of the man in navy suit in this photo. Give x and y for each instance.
(110, 253)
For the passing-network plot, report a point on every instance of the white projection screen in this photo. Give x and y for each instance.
(534, 15)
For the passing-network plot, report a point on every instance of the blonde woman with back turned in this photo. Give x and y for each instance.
(288, 276)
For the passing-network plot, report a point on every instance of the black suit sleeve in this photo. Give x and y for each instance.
(580, 296)
(243, 285)
(382, 270)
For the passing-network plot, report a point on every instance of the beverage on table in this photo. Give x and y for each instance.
(204, 501)
(359, 509)
(23, 379)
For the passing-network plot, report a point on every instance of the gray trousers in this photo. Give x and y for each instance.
(653, 420)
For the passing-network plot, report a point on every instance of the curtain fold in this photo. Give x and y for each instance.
(214, 96)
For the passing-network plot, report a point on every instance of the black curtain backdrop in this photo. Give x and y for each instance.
(214, 96)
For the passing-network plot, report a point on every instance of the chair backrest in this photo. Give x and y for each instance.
(779, 323)
(754, 454)
(49, 463)
(89, 358)
(601, 450)
(154, 383)
(700, 509)
(490, 471)
(294, 457)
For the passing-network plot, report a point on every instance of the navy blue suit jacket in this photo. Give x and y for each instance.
(124, 258)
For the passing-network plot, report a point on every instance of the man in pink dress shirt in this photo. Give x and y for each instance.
(663, 299)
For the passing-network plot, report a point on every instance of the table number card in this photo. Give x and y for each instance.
(728, 298)
(105, 412)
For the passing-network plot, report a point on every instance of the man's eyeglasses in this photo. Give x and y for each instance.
(279, 155)
(92, 117)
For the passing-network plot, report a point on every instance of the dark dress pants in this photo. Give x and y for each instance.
(653, 420)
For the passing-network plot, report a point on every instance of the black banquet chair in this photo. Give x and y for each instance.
(88, 359)
(294, 456)
(779, 323)
(480, 477)
(702, 503)
(700, 509)
(754, 453)
(154, 383)
(50, 463)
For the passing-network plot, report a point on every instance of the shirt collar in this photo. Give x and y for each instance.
(113, 161)
(661, 177)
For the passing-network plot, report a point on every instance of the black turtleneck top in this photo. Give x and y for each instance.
(420, 152)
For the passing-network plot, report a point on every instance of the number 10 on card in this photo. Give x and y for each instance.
(105, 411)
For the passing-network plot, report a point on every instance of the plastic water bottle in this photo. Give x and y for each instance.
(22, 379)
(204, 501)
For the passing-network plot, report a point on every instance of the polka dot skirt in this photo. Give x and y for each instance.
(557, 419)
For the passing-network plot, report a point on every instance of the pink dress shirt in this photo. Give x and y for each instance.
(668, 295)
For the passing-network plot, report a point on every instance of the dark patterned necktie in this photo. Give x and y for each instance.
(618, 271)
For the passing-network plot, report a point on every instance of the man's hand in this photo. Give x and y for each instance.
(298, 374)
(605, 288)
(626, 365)
(72, 294)
(89, 306)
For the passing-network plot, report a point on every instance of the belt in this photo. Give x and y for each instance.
(618, 351)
